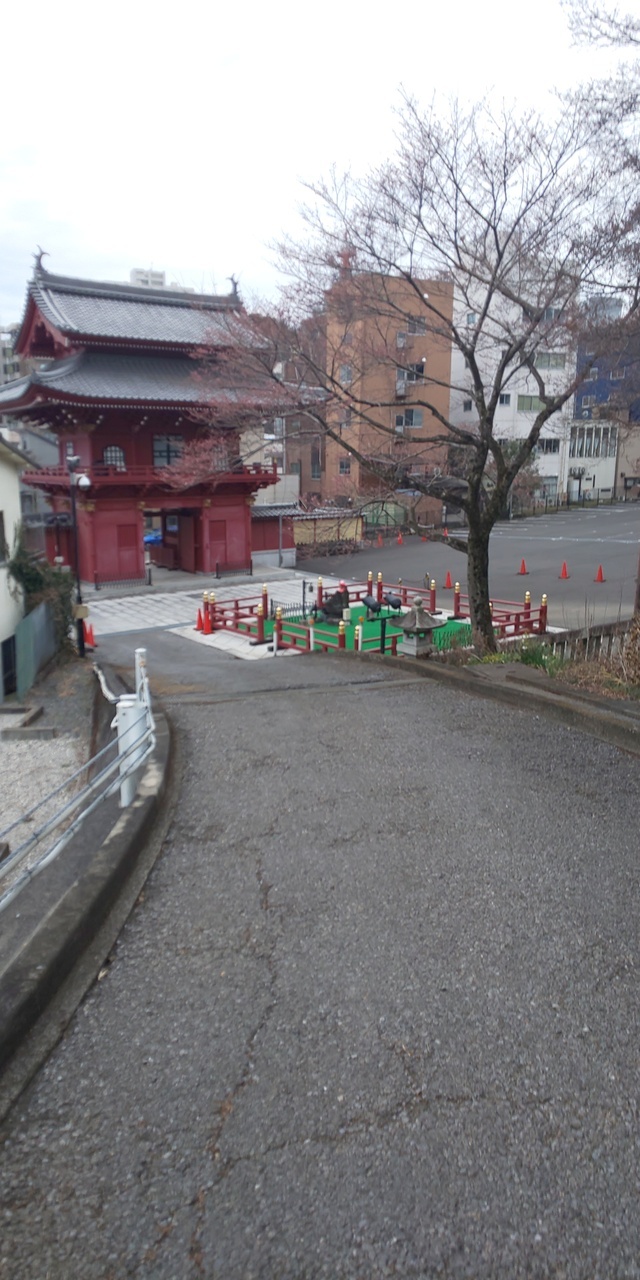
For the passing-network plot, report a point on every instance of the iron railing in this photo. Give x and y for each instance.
(114, 768)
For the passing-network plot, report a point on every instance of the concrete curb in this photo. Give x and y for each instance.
(528, 689)
(54, 920)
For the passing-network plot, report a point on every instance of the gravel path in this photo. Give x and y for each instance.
(31, 769)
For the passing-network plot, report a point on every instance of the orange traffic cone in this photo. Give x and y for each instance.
(206, 627)
(380, 540)
(564, 572)
(445, 532)
(599, 576)
(448, 583)
(93, 641)
(523, 568)
(198, 626)
(400, 540)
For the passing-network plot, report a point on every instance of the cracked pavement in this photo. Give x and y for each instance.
(376, 1013)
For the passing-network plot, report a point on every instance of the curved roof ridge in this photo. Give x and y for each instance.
(45, 280)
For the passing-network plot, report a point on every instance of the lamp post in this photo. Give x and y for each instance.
(82, 482)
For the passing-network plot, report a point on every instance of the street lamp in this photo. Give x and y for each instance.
(80, 482)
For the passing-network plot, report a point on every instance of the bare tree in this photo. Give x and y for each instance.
(491, 236)
(592, 23)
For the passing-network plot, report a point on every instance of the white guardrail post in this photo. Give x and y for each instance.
(132, 723)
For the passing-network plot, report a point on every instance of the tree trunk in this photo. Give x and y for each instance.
(478, 579)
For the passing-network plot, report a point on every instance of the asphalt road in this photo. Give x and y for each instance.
(607, 536)
(376, 1014)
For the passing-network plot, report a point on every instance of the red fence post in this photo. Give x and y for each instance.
(527, 606)
(403, 591)
(456, 600)
(432, 596)
(370, 583)
(394, 644)
(278, 626)
(379, 588)
(236, 614)
(342, 636)
(260, 631)
(265, 601)
(543, 614)
(319, 595)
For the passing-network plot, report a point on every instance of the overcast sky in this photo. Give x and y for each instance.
(136, 135)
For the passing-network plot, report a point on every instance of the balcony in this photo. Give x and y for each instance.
(142, 478)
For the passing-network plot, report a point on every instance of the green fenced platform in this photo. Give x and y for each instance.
(451, 634)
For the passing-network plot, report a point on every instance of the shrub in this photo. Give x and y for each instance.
(39, 581)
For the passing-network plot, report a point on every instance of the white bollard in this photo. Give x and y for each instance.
(131, 723)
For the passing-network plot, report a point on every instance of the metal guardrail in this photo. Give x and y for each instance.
(134, 743)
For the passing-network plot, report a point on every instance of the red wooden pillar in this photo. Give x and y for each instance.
(370, 583)
(456, 600)
(394, 645)
(543, 614)
(342, 636)
(432, 596)
(379, 588)
(260, 624)
(527, 606)
(278, 627)
(319, 595)
(265, 601)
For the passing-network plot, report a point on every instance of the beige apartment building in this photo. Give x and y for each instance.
(388, 374)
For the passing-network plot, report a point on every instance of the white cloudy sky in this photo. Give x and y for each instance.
(139, 134)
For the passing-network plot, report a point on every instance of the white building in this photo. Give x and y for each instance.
(518, 401)
(11, 603)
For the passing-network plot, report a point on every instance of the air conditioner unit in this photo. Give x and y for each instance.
(401, 388)
(401, 339)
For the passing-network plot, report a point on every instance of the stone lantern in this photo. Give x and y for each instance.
(418, 627)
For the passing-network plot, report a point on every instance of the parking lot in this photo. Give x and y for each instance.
(583, 539)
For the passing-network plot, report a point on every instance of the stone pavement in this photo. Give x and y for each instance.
(146, 612)
(376, 1013)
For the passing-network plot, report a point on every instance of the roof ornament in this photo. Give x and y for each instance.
(234, 285)
(42, 253)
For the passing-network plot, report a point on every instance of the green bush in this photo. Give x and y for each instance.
(40, 581)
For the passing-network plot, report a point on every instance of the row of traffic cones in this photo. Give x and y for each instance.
(89, 635)
(203, 624)
(564, 572)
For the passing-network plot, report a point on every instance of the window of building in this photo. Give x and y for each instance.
(410, 373)
(617, 373)
(295, 468)
(411, 418)
(113, 456)
(530, 404)
(551, 359)
(166, 449)
(345, 466)
(548, 446)
(472, 318)
(587, 401)
(346, 374)
(467, 406)
(316, 470)
(505, 397)
(551, 313)
(593, 442)
(416, 324)
(278, 428)
(591, 375)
